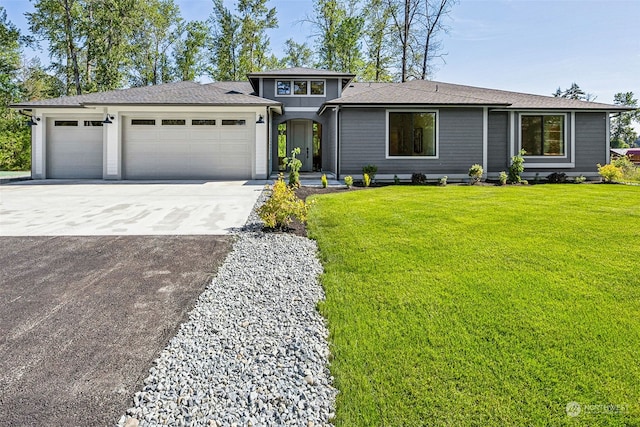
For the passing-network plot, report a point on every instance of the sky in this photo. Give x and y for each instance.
(532, 46)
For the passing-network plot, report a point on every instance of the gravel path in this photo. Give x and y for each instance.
(254, 351)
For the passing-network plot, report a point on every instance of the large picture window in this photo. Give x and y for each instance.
(543, 135)
(412, 134)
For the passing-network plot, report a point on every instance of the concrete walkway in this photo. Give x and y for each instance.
(94, 208)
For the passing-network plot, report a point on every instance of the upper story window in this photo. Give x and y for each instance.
(543, 135)
(300, 87)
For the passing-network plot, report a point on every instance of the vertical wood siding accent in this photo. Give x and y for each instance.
(498, 141)
(363, 141)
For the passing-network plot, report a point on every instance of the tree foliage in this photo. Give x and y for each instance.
(574, 92)
(297, 55)
(240, 44)
(15, 151)
(622, 133)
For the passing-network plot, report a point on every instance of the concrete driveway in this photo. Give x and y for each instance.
(99, 208)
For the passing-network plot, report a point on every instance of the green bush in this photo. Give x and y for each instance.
(370, 170)
(396, 180)
(348, 181)
(443, 181)
(516, 168)
(579, 179)
(475, 172)
(610, 173)
(295, 165)
(366, 180)
(630, 172)
(418, 178)
(502, 178)
(283, 206)
(324, 181)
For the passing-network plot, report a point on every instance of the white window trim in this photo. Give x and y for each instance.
(437, 136)
(308, 94)
(564, 130)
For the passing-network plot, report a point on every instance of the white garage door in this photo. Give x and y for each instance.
(74, 148)
(193, 147)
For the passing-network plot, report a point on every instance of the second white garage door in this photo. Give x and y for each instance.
(194, 147)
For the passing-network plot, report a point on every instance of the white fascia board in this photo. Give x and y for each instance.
(155, 109)
(61, 112)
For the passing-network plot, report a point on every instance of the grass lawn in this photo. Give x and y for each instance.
(482, 306)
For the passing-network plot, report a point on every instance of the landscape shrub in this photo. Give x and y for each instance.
(579, 179)
(610, 173)
(324, 181)
(557, 178)
(502, 178)
(348, 181)
(366, 180)
(443, 181)
(475, 172)
(396, 180)
(370, 170)
(295, 165)
(516, 168)
(283, 206)
(630, 172)
(418, 178)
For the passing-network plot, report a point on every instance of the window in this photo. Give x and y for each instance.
(283, 87)
(173, 122)
(542, 135)
(203, 122)
(65, 123)
(143, 122)
(234, 122)
(300, 87)
(412, 134)
(93, 123)
(317, 87)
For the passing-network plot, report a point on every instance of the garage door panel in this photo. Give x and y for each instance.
(187, 152)
(74, 152)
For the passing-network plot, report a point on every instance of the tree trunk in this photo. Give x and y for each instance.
(73, 54)
(405, 39)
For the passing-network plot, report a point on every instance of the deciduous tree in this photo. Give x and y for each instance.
(622, 133)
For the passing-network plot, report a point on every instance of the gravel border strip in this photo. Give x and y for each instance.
(254, 351)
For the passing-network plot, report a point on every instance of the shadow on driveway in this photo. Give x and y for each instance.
(82, 319)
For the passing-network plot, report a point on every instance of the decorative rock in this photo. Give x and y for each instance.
(252, 334)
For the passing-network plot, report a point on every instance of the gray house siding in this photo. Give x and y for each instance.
(591, 135)
(498, 143)
(590, 147)
(363, 141)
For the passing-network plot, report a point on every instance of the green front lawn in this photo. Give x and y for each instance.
(465, 305)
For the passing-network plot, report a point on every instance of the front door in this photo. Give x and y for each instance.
(302, 136)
